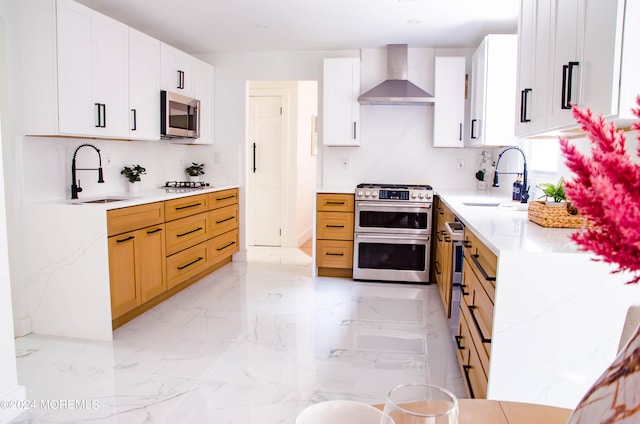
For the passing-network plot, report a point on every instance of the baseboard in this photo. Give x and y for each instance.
(304, 236)
(21, 327)
(15, 397)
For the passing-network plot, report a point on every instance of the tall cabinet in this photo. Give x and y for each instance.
(448, 115)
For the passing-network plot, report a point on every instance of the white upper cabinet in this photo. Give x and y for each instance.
(493, 82)
(587, 60)
(448, 121)
(341, 110)
(533, 91)
(144, 84)
(177, 71)
(93, 72)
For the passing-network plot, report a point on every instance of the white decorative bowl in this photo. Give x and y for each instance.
(339, 411)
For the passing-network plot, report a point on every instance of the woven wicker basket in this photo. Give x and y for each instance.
(555, 216)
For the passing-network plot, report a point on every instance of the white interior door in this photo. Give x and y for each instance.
(265, 173)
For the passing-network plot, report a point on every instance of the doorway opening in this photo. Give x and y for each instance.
(281, 163)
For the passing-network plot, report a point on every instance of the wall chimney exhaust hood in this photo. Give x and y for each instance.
(397, 89)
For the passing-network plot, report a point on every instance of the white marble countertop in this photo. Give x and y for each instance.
(337, 189)
(504, 226)
(138, 198)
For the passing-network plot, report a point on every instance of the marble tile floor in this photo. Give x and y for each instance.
(255, 342)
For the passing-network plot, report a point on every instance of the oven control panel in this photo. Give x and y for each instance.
(421, 193)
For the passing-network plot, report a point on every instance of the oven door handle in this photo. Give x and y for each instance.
(388, 205)
(394, 237)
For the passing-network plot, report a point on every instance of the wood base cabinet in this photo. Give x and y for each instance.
(476, 314)
(443, 254)
(150, 259)
(334, 234)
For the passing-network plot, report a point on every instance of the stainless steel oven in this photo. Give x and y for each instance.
(392, 232)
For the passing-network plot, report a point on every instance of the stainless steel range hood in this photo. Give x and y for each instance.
(397, 89)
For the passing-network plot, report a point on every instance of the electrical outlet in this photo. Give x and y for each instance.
(107, 161)
(344, 163)
(460, 165)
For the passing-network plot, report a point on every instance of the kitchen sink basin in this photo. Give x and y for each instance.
(108, 199)
(494, 204)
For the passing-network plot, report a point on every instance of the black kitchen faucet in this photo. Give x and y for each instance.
(75, 188)
(525, 188)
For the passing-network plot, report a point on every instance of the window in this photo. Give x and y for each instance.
(544, 155)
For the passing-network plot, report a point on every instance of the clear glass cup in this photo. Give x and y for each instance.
(420, 404)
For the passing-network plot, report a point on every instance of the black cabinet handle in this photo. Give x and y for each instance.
(190, 263)
(254, 158)
(462, 287)
(458, 340)
(154, 231)
(436, 265)
(477, 324)
(104, 115)
(354, 130)
(567, 84)
(225, 246)
(524, 98)
(125, 239)
(188, 206)
(486, 276)
(189, 232)
(473, 128)
(460, 133)
(180, 79)
(101, 115)
(334, 226)
(334, 203)
(466, 376)
(98, 115)
(467, 244)
(334, 254)
(134, 127)
(225, 198)
(224, 220)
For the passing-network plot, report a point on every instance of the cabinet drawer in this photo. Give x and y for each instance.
(223, 198)
(334, 254)
(483, 261)
(335, 225)
(330, 202)
(134, 217)
(481, 346)
(185, 206)
(186, 264)
(186, 232)
(223, 220)
(463, 341)
(223, 246)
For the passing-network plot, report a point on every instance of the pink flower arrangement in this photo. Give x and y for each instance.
(606, 189)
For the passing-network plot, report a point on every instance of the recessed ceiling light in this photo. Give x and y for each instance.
(414, 21)
(261, 26)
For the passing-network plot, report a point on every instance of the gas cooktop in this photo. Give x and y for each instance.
(394, 186)
(394, 192)
(184, 186)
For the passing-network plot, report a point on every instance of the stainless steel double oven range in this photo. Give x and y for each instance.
(392, 232)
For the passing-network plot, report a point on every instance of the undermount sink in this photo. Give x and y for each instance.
(481, 203)
(108, 199)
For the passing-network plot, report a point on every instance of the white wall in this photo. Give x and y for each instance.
(305, 161)
(9, 389)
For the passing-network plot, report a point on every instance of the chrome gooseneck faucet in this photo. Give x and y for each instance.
(525, 187)
(75, 187)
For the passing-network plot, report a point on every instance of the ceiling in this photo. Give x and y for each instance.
(214, 26)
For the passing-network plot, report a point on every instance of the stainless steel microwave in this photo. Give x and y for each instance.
(180, 116)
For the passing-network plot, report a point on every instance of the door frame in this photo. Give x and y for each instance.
(281, 89)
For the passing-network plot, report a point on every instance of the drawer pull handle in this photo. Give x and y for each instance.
(188, 206)
(225, 198)
(467, 244)
(435, 264)
(190, 263)
(154, 231)
(477, 324)
(334, 203)
(486, 276)
(458, 340)
(335, 226)
(466, 376)
(226, 219)
(125, 239)
(189, 232)
(225, 246)
(438, 236)
(334, 254)
(462, 287)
